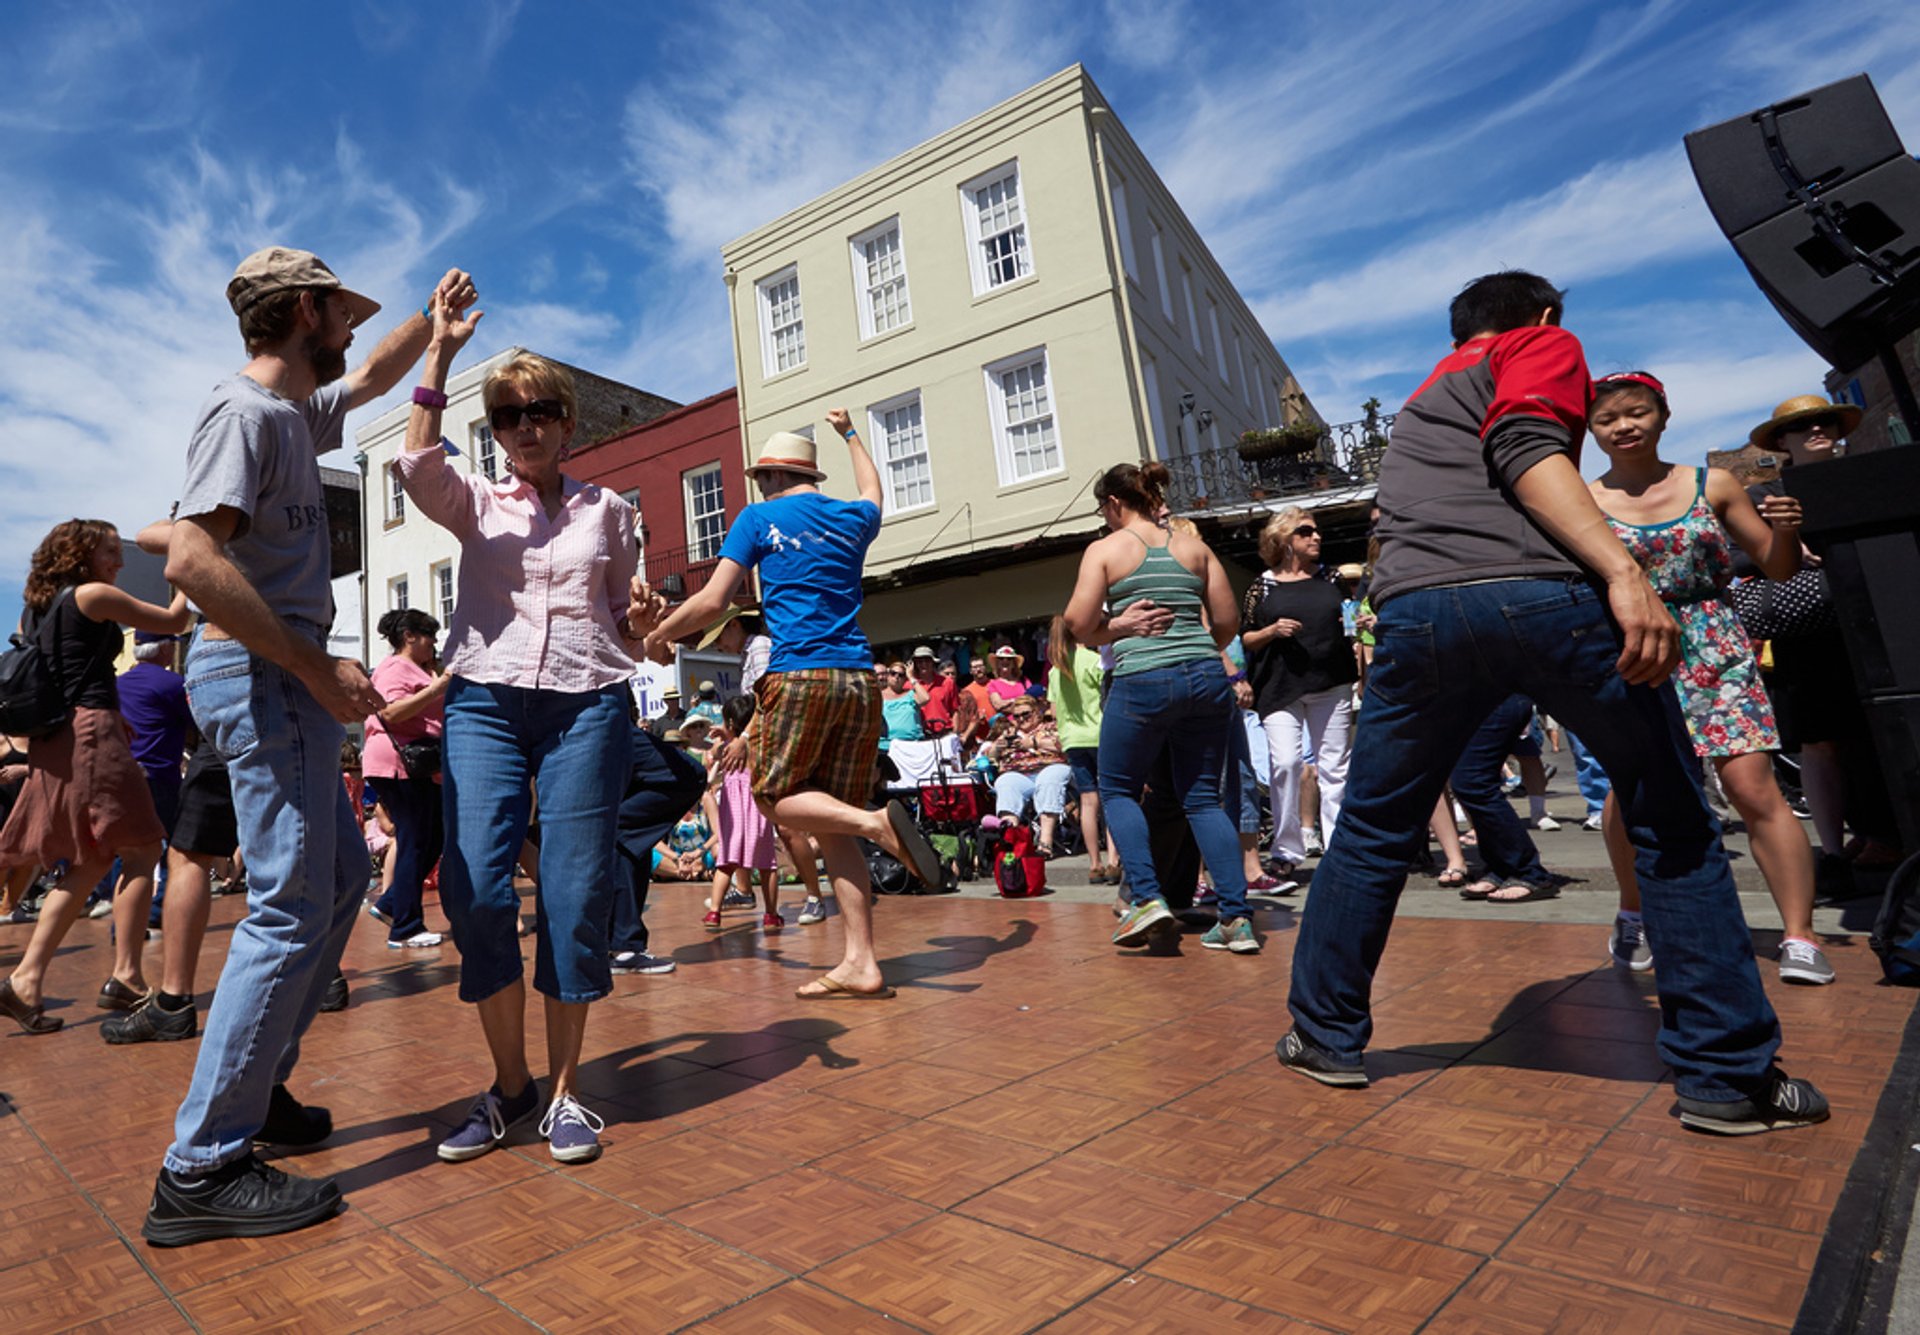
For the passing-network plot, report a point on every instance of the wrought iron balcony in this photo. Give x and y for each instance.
(674, 572)
(1344, 458)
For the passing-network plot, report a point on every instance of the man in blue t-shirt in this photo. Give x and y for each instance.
(815, 736)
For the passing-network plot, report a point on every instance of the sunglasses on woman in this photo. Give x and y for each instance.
(506, 416)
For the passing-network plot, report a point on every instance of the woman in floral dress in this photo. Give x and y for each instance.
(1680, 523)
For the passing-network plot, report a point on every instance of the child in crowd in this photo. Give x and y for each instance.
(745, 834)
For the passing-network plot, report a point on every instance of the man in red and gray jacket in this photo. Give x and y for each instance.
(1498, 575)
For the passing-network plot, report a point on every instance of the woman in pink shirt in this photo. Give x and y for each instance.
(539, 656)
(414, 687)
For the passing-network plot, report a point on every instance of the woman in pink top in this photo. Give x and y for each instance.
(540, 658)
(413, 686)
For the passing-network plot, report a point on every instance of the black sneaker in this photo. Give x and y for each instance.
(151, 1024)
(291, 1122)
(1782, 1104)
(243, 1199)
(1296, 1054)
(336, 994)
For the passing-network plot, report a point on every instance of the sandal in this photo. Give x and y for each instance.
(1453, 878)
(33, 1019)
(1527, 893)
(1480, 889)
(828, 988)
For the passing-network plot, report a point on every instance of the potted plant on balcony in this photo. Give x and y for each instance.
(1290, 441)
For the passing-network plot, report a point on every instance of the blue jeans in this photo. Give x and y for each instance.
(1445, 658)
(1588, 776)
(419, 830)
(1047, 788)
(1505, 845)
(306, 870)
(1185, 713)
(501, 741)
(665, 782)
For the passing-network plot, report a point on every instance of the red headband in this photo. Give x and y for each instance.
(1634, 378)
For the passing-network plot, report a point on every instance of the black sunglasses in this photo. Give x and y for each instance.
(1306, 531)
(506, 416)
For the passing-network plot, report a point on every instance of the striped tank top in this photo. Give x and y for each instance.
(1170, 585)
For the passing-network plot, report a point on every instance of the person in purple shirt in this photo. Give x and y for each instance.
(153, 701)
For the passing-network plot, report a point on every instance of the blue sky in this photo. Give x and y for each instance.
(1350, 165)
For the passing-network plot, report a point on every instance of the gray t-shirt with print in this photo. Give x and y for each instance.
(259, 453)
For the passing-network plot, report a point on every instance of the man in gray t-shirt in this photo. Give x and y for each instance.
(250, 548)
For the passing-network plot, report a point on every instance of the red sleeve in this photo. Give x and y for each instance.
(1539, 371)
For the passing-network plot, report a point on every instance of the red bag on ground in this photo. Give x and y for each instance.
(1019, 872)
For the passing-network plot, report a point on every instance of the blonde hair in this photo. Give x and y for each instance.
(1274, 537)
(1060, 644)
(535, 377)
(1185, 527)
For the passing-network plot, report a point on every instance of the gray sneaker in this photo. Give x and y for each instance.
(572, 1133)
(1296, 1054)
(1803, 962)
(1780, 1104)
(1628, 946)
(811, 912)
(489, 1120)
(639, 961)
(1236, 936)
(1143, 922)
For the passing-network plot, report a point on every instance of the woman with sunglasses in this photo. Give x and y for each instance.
(1681, 525)
(1170, 709)
(900, 701)
(539, 652)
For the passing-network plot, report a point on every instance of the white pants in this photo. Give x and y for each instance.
(1324, 721)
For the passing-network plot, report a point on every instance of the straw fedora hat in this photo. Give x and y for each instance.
(788, 452)
(1799, 409)
(733, 613)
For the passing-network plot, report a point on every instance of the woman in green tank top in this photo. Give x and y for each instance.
(1170, 713)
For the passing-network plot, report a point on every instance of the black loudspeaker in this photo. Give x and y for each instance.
(1822, 204)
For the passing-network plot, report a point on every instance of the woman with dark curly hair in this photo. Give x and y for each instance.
(415, 687)
(85, 801)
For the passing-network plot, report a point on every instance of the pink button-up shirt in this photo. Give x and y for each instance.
(540, 600)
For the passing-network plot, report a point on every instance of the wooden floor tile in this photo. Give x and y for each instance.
(353, 1284)
(940, 1165)
(1467, 1208)
(801, 1219)
(1009, 1058)
(184, 1269)
(1731, 1177)
(1225, 1157)
(805, 1126)
(1318, 1270)
(912, 1089)
(1507, 1299)
(665, 1174)
(468, 1312)
(1148, 1305)
(71, 1288)
(798, 1308)
(652, 1276)
(1266, 1095)
(1054, 1119)
(1740, 1269)
(1510, 1143)
(1109, 1072)
(959, 1277)
(1098, 1209)
(161, 1318)
(515, 1224)
(44, 1225)
(1553, 1096)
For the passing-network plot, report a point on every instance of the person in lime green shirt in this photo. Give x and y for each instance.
(1073, 690)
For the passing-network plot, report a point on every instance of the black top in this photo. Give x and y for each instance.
(1317, 657)
(82, 650)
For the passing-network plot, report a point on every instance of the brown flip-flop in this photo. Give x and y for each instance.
(921, 859)
(1473, 889)
(832, 989)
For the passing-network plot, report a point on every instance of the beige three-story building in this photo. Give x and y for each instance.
(1007, 310)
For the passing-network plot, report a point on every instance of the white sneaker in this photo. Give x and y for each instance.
(1546, 825)
(1593, 823)
(1803, 962)
(1311, 839)
(418, 941)
(811, 912)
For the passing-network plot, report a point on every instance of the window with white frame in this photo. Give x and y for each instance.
(441, 578)
(486, 454)
(900, 437)
(880, 279)
(1124, 225)
(396, 496)
(1193, 312)
(632, 497)
(397, 594)
(1160, 269)
(706, 511)
(1240, 363)
(996, 221)
(783, 332)
(1020, 405)
(1150, 371)
(1219, 345)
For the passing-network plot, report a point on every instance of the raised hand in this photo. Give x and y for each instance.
(840, 420)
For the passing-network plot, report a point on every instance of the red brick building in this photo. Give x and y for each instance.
(684, 472)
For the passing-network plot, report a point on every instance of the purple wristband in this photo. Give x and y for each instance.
(429, 398)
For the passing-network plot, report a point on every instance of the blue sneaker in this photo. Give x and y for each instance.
(572, 1132)
(492, 1116)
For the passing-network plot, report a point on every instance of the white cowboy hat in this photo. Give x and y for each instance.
(788, 452)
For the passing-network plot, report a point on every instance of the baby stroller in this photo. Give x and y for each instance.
(952, 805)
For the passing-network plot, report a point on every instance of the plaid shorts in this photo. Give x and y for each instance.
(818, 728)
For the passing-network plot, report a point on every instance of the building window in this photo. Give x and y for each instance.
(1266, 409)
(397, 594)
(880, 277)
(1189, 429)
(396, 496)
(486, 455)
(1213, 435)
(1160, 269)
(901, 435)
(1020, 403)
(1193, 312)
(1124, 225)
(1240, 363)
(783, 333)
(1150, 371)
(706, 512)
(441, 577)
(1219, 345)
(997, 229)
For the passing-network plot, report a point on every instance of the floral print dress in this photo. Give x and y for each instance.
(1689, 562)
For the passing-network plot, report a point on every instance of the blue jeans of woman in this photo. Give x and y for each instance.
(1505, 845)
(502, 742)
(419, 830)
(1445, 657)
(1186, 714)
(1047, 787)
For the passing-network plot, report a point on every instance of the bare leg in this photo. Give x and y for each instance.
(858, 968)
(13, 887)
(57, 917)
(1825, 786)
(1620, 854)
(722, 879)
(769, 890)
(503, 1016)
(1250, 857)
(184, 915)
(1049, 825)
(805, 858)
(1448, 834)
(1779, 845)
(1090, 828)
(132, 902)
(566, 1029)
(1309, 799)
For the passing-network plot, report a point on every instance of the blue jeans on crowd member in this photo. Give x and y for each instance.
(1047, 787)
(306, 870)
(664, 784)
(419, 832)
(1239, 784)
(1588, 776)
(1444, 658)
(501, 742)
(1186, 713)
(1505, 845)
